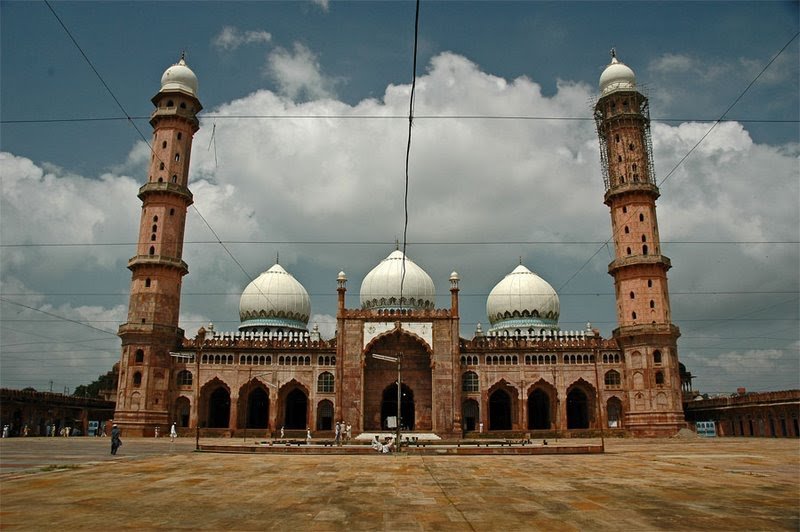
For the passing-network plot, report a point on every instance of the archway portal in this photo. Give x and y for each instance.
(258, 409)
(295, 410)
(470, 415)
(500, 410)
(538, 410)
(182, 409)
(380, 376)
(577, 409)
(219, 409)
(389, 407)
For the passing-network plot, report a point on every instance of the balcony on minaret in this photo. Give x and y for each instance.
(636, 260)
(166, 187)
(160, 260)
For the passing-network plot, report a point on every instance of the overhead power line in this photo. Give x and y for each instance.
(10, 121)
(385, 243)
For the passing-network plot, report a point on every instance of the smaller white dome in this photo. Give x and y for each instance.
(179, 77)
(616, 76)
(381, 286)
(523, 300)
(275, 299)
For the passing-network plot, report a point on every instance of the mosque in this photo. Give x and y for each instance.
(523, 374)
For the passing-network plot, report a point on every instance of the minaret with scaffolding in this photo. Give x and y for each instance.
(645, 332)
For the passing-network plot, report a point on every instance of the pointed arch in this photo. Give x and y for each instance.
(503, 402)
(294, 405)
(215, 404)
(581, 405)
(542, 400)
(253, 405)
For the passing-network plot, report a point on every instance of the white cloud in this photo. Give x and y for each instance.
(298, 74)
(230, 38)
(323, 4)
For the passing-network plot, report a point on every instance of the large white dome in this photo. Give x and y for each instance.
(616, 76)
(381, 286)
(275, 299)
(524, 301)
(179, 77)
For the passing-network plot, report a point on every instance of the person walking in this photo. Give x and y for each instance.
(308, 435)
(173, 433)
(116, 442)
(337, 434)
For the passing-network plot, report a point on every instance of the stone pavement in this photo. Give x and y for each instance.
(719, 484)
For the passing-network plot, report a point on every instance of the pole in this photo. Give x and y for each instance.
(399, 399)
(247, 400)
(199, 339)
(597, 383)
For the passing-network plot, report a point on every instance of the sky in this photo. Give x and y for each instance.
(326, 194)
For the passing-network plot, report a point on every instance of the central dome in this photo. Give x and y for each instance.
(523, 302)
(381, 287)
(275, 300)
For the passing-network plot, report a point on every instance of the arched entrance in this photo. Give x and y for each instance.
(181, 412)
(577, 409)
(219, 408)
(470, 415)
(500, 410)
(389, 407)
(295, 410)
(258, 409)
(614, 413)
(324, 415)
(538, 410)
(380, 378)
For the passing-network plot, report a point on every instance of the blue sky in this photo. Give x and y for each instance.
(475, 184)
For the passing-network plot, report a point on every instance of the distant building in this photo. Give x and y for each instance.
(40, 411)
(766, 414)
(523, 374)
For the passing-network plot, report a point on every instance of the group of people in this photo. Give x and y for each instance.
(342, 433)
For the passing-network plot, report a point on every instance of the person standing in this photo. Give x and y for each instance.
(337, 434)
(156, 432)
(116, 442)
(308, 435)
(173, 433)
(349, 433)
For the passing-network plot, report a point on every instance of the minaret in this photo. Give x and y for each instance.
(152, 331)
(645, 333)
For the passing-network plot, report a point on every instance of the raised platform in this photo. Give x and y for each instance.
(420, 447)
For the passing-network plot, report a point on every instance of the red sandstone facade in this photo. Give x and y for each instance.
(765, 414)
(512, 380)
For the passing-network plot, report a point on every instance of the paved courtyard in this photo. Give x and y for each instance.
(721, 484)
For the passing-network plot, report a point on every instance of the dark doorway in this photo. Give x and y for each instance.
(614, 413)
(258, 409)
(539, 410)
(325, 415)
(389, 406)
(219, 409)
(296, 410)
(470, 415)
(577, 410)
(500, 411)
(182, 412)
